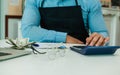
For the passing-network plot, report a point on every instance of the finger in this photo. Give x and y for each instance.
(103, 43)
(94, 41)
(89, 39)
(94, 34)
(107, 39)
(100, 42)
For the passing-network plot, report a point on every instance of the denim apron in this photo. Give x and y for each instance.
(67, 19)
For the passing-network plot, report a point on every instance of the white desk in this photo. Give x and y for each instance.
(72, 64)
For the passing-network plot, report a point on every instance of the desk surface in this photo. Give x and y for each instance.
(71, 64)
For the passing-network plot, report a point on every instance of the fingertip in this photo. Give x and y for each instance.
(107, 39)
(87, 44)
(91, 44)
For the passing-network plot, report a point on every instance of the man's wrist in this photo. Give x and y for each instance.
(60, 37)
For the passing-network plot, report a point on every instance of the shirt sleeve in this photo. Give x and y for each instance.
(95, 19)
(31, 26)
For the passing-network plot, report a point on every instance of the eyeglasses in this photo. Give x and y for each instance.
(52, 52)
(56, 52)
(35, 51)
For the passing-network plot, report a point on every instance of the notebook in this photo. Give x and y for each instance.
(9, 53)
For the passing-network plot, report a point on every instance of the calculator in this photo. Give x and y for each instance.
(95, 50)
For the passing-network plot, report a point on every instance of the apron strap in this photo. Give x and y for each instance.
(44, 1)
(76, 3)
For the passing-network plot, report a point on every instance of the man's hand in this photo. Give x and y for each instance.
(96, 40)
(70, 39)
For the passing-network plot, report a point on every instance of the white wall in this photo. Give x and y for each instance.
(4, 11)
(112, 19)
(0, 19)
(13, 28)
(116, 40)
(118, 33)
(12, 23)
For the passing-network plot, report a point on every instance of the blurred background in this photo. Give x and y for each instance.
(11, 14)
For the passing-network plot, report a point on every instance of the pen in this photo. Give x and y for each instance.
(35, 50)
(36, 45)
(60, 47)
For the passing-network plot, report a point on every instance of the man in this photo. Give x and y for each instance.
(64, 21)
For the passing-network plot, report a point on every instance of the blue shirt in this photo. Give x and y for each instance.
(92, 15)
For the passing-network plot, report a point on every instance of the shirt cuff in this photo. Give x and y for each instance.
(60, 37)
(105, 34)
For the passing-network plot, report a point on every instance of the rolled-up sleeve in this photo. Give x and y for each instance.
(95, 19)
(31, 26)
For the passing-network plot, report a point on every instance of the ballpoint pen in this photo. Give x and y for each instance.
(35, 50)
(59, 47)
(36, 45)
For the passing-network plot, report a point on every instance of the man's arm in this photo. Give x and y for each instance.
(97, 25)
(31, 26)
